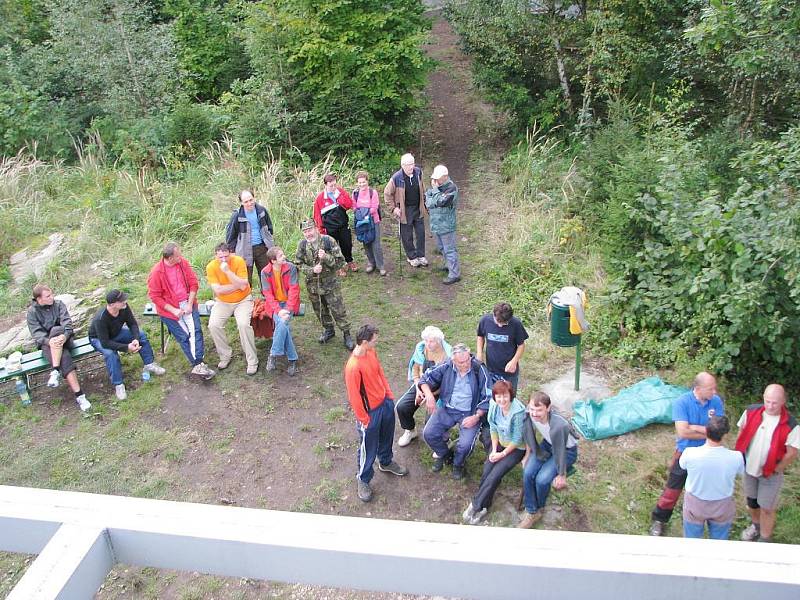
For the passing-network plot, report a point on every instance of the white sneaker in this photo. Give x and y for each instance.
(422, 261)
(751, 533)
(405, 439)
(155, 369)
(55, 378)
(119, 390)
(468, 514)
(477, 517)
(202, 370)
(83, 403)
(413, 262)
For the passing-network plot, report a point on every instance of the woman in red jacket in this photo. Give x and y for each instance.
(330, 215)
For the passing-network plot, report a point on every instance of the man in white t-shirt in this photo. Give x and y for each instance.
(711, 471)
(769, 438)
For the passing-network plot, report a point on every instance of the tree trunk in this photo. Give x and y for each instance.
(562, 73)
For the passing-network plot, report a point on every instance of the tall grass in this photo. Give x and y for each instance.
(117, 220)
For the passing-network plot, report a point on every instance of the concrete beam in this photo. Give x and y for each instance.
(413, 557)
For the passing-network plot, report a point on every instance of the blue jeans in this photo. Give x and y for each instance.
(513, 379)
(716, 531)
(282, 342)
(446, 242)
(376, 440)
(182, 336)
(443, 420)
(113, 362)
(539, 475)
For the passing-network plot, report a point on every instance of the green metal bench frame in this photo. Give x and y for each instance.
(35, 362)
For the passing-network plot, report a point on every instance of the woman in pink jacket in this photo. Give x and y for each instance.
(367, 197)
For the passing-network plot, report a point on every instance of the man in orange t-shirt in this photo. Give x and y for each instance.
(372, 402)
(227, 276)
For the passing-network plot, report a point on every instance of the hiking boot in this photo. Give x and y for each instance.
(751, 533)
(155, 369)
(657, 529)
(271, 363)
(405, 439)
(438, 464)
(54, 379)
(458, 473)
(413, 262)
(83, 403)
(764, 540)
(252, 369)
(342, 272)
(292, 370)
(478, 517)
(223, 363)
(422, 261)
(369, 269)
(393, 468)
(364, 491)
(468, 513)
(348, 341)
(451, 280)
(119, 391)
(530, 519)
(352, 266)
(327, 334)
(383, 272)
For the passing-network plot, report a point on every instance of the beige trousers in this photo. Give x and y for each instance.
(242, 311)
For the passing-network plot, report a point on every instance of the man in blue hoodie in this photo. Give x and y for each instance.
(463, 400)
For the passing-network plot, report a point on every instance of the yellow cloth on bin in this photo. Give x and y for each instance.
(574, 323)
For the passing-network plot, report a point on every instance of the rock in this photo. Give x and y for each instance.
(22, 264)
(562, 390)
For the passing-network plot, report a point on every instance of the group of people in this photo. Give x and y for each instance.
(768, 442)
(475, 394)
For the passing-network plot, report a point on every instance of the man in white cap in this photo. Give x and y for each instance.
(441, 200)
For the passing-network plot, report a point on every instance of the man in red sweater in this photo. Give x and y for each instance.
(372, 402)
(769, 438)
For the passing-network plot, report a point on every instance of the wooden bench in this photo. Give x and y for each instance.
(203, 309)
(35, 362)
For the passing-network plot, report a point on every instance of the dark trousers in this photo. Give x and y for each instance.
(344, 238)
(676, 479)
(259, 262)
(414, 228)
(442, 421)
(492, 476)
(66, 366)
(376, 440)
(406, 407)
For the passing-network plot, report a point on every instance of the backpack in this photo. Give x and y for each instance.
(364, 225)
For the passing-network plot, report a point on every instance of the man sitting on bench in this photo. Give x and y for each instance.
(114, 329)
(51, 328)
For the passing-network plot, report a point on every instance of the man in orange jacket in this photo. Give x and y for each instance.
(372, 402)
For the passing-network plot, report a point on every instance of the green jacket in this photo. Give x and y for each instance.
(441, 203)
(306, 258)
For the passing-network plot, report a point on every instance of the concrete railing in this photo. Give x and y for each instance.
(80, 537)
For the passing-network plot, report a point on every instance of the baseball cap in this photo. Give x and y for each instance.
(307, 224)
(439, 171)
(116, 296)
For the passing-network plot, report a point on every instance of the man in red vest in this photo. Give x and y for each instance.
(769, 438)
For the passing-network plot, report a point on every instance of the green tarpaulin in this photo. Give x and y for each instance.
(649, 401)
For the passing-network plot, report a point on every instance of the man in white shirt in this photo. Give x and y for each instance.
(769, 438)
(711, 471)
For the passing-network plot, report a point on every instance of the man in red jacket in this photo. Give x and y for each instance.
(372, 402)
(769, 438)
(172, 286)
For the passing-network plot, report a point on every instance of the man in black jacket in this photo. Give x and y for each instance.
(249, 234)
(114, 329)
(51, 328)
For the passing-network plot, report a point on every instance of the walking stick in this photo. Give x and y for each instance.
(400, 249)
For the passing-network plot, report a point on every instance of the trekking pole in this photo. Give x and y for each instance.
(400, 258)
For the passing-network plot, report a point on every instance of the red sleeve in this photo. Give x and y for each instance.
(293, 300)
(318, 213)
(154, 289)
(352, 381)
(345, 201)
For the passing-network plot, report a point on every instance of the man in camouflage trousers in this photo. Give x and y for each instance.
(319, 258)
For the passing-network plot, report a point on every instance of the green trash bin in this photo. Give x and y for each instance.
(559, 327)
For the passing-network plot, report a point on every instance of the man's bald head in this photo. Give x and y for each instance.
(774, 398)
(704, 386)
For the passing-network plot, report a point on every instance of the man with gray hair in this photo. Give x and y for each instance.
(463, 401)
(172, 286)
(405, 196)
